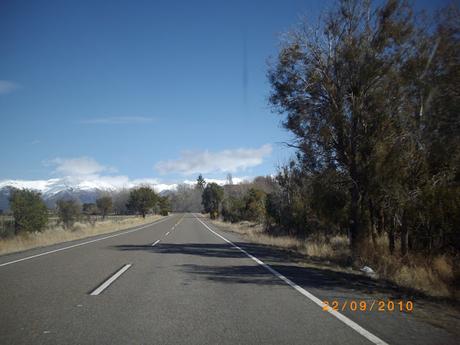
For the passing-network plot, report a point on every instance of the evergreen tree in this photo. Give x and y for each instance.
(200, 182)
(29, 211)
(141, 200)
(165, 205)
(212, 198)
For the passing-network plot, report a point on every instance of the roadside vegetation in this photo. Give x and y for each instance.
(371, 99)
(31, 224)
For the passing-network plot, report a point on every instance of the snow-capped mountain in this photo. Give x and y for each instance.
(85, 190)
(88, 188)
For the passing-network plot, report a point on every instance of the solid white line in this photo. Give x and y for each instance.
(154, 243)
(109, 281)
(368, 335)
(81, 244)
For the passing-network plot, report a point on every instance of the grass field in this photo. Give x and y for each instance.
(56, 234)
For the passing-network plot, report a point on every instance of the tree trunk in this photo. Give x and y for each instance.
(373, 225)
(404, 237)
(391, 239)
(16, 227)
(381, 221)
(357, 235)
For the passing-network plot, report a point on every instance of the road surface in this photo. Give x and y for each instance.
(181, 280)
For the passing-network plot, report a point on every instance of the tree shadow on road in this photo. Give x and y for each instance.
(324, 283)
(201, 249)
(248, 272)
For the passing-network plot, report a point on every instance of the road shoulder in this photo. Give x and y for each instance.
(432, 321)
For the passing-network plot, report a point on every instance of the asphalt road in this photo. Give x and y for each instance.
(183, 281)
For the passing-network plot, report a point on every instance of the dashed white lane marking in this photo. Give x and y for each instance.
(167, 233)
(175, 225)
(154, 243)
(365, 333)
(82, 243)
(109, 281)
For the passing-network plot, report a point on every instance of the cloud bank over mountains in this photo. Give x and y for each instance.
(83, 173)
(86, 176)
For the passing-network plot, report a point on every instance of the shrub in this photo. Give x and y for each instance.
(29, 211)
(233, 209)
(255, 205)
(68, 211)
(104, 205)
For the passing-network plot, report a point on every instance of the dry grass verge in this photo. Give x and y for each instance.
(434, 276)
(58, 234)
(334, 249)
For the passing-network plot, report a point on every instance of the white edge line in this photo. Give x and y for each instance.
(154, 243)
(368, 335)
(81, 244)
(109, 281)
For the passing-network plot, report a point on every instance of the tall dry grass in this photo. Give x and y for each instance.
(57, 234)
(335, 248)
(434, 276)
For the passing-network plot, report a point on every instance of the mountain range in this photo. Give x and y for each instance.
(87, 189)
(83, 190)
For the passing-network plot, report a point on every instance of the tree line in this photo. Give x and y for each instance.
(371, 97)
(30, 213)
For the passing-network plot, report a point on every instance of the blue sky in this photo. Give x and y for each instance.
(141, 89)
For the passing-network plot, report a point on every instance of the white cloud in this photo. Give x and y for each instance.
(7, 86)
(81, 166)
(207, 162)
(118, 120)
(87, 173)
